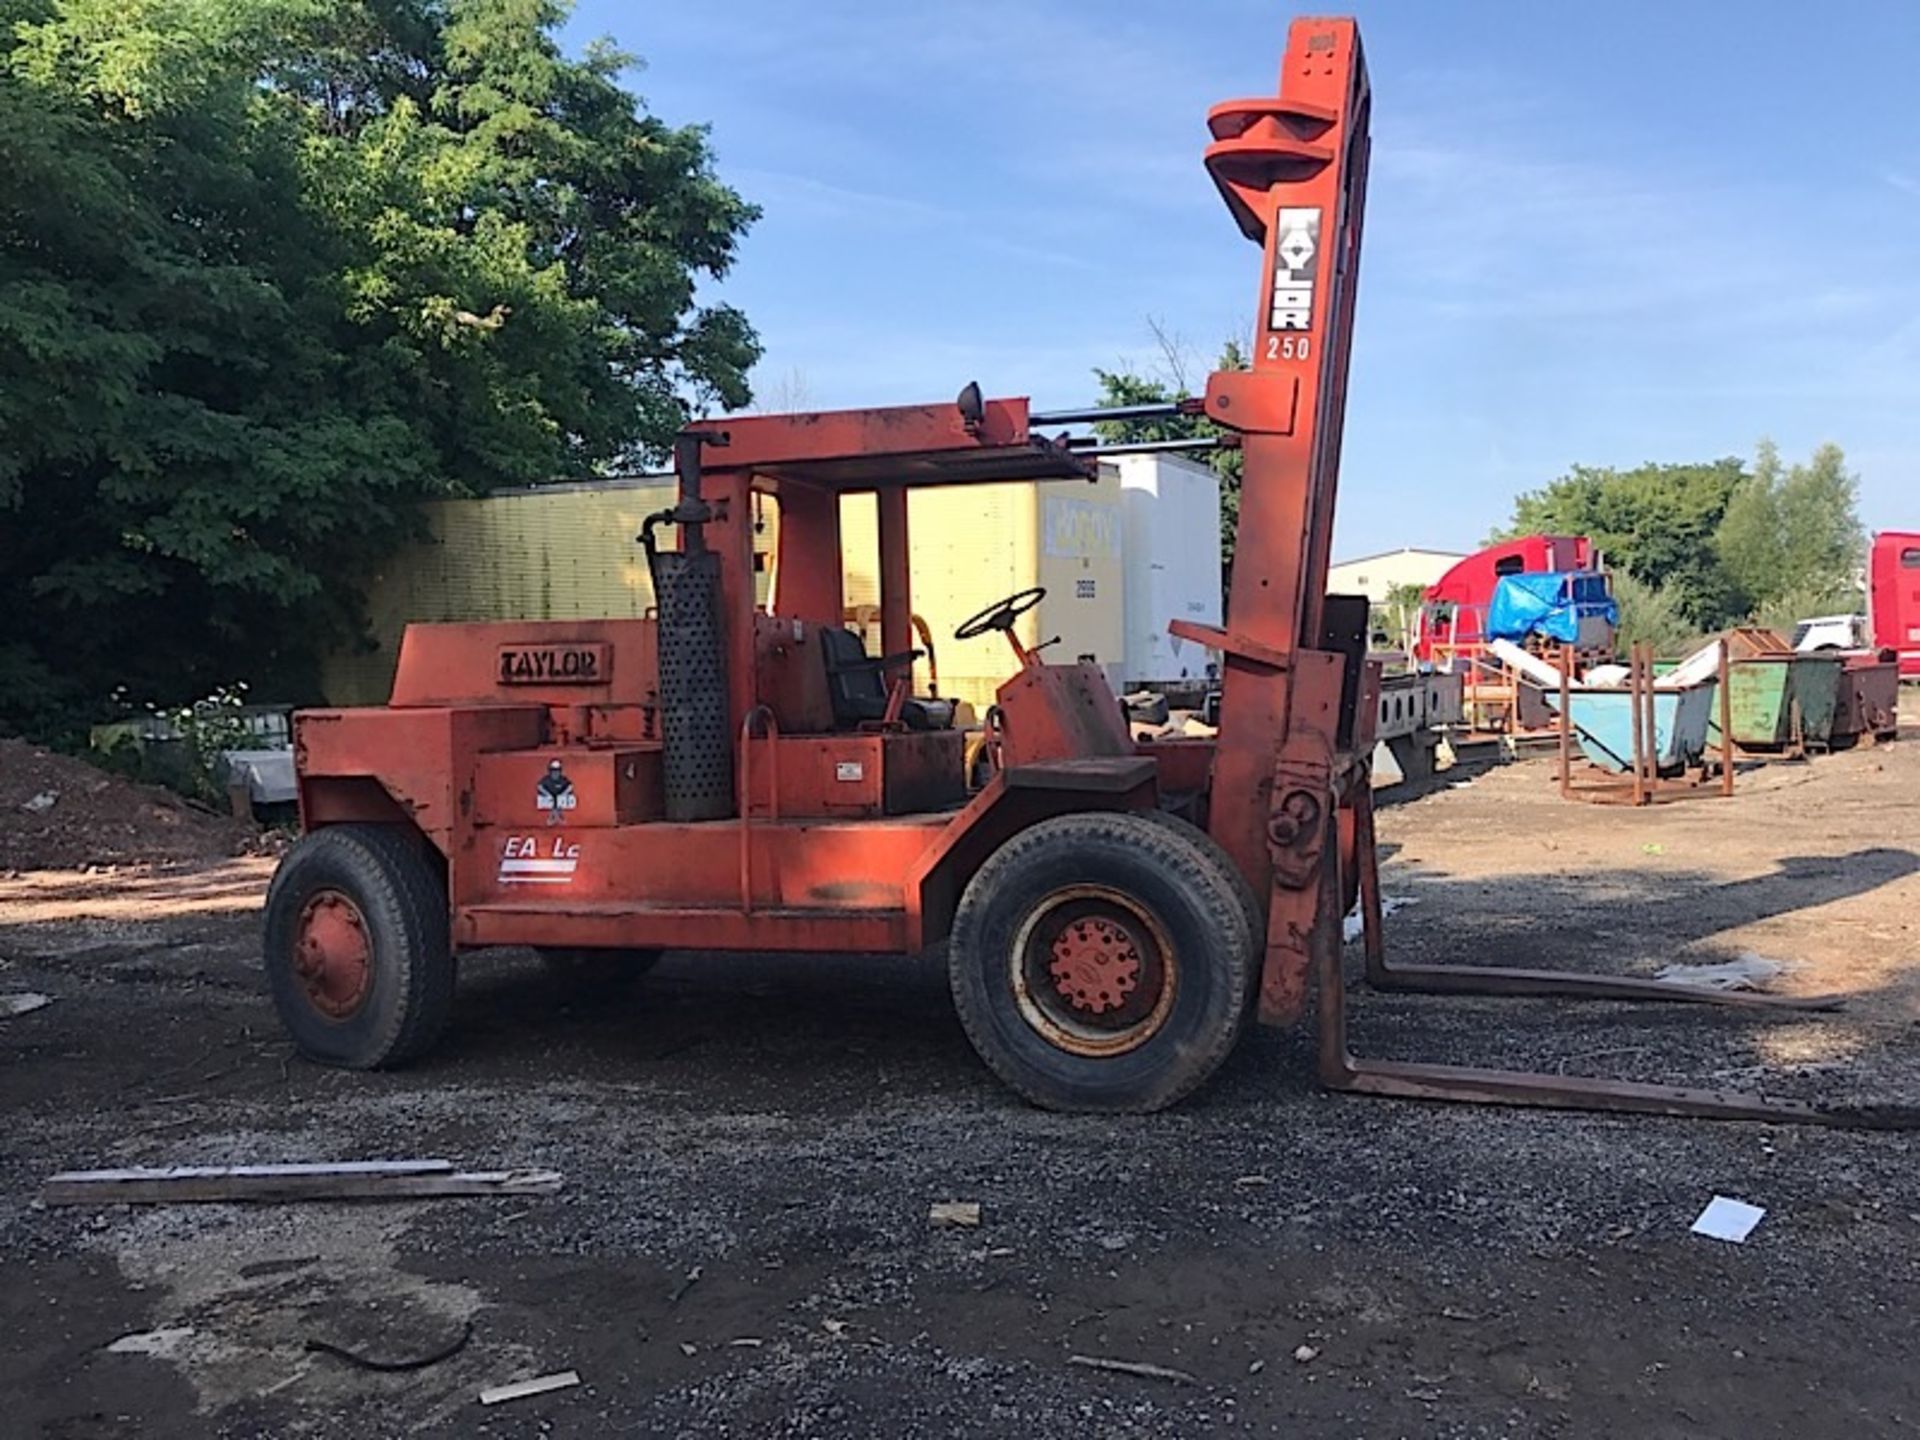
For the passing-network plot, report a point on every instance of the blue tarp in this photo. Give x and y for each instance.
(1550, 603)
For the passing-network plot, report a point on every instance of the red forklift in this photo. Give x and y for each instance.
(729, 777)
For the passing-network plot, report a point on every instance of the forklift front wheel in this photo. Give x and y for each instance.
(1101, 962)
(356, 946)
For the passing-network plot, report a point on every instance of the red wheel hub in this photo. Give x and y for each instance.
(1095, 964)
(333, 955)
(1093, 971)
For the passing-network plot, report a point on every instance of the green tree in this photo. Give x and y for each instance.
(274, 271)
(1396, 615)
(1708, 545)
(1127, 387)
(1748, 539)
(1791, 539)
(1653, 614)
(1656, 522)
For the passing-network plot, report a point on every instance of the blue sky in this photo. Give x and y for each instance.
(1596, 234)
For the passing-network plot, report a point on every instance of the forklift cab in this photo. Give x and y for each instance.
(816, 724)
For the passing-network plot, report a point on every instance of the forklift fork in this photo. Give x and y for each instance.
(1340, 1069)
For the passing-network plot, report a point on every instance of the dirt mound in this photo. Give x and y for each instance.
(94, 818)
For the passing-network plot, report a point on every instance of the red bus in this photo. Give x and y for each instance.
(1893, 596)
(1454, 609)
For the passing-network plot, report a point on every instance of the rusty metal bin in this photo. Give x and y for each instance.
(1868, 700)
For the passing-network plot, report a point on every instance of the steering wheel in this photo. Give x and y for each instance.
(1001, 615)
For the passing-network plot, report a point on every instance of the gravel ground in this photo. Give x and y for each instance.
(783, 1127)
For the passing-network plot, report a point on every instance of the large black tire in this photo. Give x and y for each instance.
(1249, 902)
(1150, 889)
(351, 883)
(597, 974)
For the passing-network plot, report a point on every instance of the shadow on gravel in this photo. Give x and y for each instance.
(1462, 772)
(806, 1029)
(1630, 910)
(838, 1029)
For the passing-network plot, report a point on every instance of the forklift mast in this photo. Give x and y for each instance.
(1292, 168)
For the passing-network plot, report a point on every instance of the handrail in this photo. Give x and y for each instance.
(771, 729)
(994, 733)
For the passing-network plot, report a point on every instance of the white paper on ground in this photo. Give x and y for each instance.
(1725, 1219)
(1355, 925)
(1748, 972)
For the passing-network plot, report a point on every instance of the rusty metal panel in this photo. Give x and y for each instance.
(1086, 775)
(925, 770)
(423, 758)
(876, 932)
(1780, 700)
(461, 664)
(1816, 688)
(1868, 699)
(607, 787)
(790, 674)
(1058, 712)
(610, 722)
(854, 447)
(832, 776)
(797, 864)
(1185, 774)
(863, 774)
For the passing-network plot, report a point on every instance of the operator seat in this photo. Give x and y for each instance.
(857, 684)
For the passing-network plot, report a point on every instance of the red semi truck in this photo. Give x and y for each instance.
(1893, 596)
(1453, 612)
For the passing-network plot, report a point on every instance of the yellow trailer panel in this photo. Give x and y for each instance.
(973, 545)
(569, 552)
(566, 552)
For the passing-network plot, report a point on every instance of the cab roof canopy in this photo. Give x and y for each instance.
(970, 441)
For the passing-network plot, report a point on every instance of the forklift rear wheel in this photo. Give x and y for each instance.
(1101, 962)
(597, 973)
(356, 946)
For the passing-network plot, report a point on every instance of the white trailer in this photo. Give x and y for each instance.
(1170, 567)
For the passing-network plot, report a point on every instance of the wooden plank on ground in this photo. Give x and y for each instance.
(353, 1180)
(521, 1389)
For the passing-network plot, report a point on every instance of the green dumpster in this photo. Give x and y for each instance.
(1816, 691)
(1780, 700)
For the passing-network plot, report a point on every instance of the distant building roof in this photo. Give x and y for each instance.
(1403, 550)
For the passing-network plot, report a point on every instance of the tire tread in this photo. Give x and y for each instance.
(1170, 846)
(386, 865)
